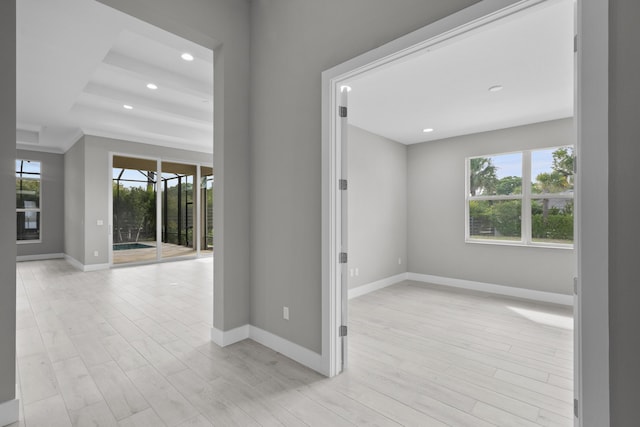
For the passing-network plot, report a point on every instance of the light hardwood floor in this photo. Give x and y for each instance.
(130, 347)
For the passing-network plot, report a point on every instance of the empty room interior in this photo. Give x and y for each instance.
(176, 214)
(439, 146)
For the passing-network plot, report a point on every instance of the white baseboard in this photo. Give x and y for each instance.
(494, 289)
(225, 338)
(379, 284)
(39, 257)
(302, 355)
(9, 412)
(95, 267)
(82, 267)
(74, 262)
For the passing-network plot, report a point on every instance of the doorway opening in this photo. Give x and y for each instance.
(335, 88)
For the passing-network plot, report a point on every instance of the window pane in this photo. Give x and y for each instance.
(552, 220)
(178, 202)
(27, 167)
(207, 210)
(552, 170)
(28, 225)
(134, 209)
(495, 219)
(27, 193)
(495, 175)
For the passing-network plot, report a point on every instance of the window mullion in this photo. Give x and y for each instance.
(467, 195)
(525, 222)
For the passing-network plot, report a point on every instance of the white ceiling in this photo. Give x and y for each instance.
(79, 62)
(446, 88)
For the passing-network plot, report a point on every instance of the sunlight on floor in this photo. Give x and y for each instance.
(555, 320)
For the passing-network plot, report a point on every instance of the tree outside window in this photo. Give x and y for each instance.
(501, 209)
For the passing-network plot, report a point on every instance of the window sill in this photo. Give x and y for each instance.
(520, 244)
(26, 242)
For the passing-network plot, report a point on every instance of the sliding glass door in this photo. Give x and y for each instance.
(206, 212)
(160, 210)
(178, 219)
(134, 210)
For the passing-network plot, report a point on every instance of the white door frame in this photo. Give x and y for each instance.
(592, 188)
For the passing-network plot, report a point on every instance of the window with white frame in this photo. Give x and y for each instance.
(523, 198)
(28, 182)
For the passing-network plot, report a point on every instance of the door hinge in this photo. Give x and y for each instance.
(342, 111)
(343, 331)
(575, 43)
(575, 286)
(342, 184)
(575, 408)
(342, 258)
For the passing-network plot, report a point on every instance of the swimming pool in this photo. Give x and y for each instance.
(124, 246)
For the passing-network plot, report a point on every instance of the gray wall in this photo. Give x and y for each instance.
(436, 241)
(317, 35)
(98, 179)
(377, 206)
(223, 25)
(8, 208)
(624, 211)
(74, 201)
(52, 204)
(292, 42)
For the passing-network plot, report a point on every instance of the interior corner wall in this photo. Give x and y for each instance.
(436, 182)
(74, 201)
(377, 201)
(52, 204)
(98, 181)
(222, 25)
(292, 42)
(624, 211)
(8, 208)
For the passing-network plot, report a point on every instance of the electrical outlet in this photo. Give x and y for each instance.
(357, 272)
(399, 261)
(285, 313)
(95, 253)
(99, 222)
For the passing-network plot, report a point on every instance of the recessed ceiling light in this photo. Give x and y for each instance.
(187, 56)
(496, 88)
(345, 87)
(152, 86)
(427, 130)
(127, 107)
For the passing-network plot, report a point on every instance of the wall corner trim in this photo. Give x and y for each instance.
(74, 262)
(302, 355)
(225, 338)
(39, 257)
(378, 284)
(9, 412)
(529, 294)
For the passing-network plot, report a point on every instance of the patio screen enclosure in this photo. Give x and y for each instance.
(137, 185)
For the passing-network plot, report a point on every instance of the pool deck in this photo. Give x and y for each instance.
(149, 254)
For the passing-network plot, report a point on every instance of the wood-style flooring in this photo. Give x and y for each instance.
(130, 347)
